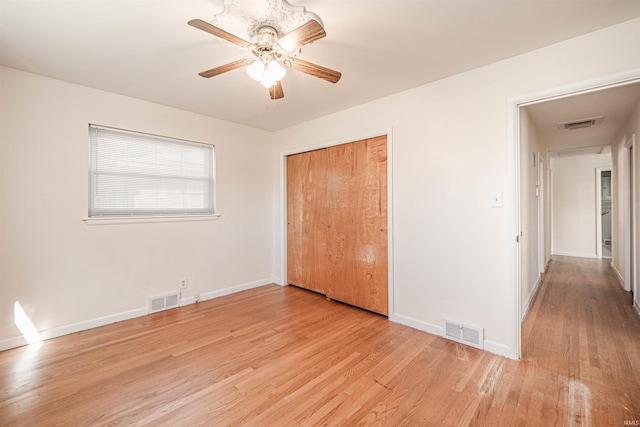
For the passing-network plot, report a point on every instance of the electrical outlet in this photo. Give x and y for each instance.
(183, 283)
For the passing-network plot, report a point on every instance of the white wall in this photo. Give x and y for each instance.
(530, 149)
(451, 152)
(620, 173)
(574, 204)
(64, 271)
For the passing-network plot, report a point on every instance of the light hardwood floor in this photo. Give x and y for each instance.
(282, 356)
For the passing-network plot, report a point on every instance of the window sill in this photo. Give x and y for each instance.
(149, 219)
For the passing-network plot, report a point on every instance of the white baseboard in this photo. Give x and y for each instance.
(490, 346)
(636, 305)
(76, 327)
(499, 349)
(617, 274)
(532, 295)
(227, 291)
(575, 254)
(59, 331)
(417, 324)
(10, 343)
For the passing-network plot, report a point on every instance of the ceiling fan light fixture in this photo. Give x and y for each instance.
(256, 70)
(277, 36)
(274, 71)
(268, 83)
(267, 75)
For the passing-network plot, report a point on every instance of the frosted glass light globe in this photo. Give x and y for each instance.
(256, 70)
(274, 71)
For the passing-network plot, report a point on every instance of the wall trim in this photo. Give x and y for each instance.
(617, 274)
(10, 343)
(628, 166)
(72, 328)
(490, 346)
(576, 254)
(499, 349)
(417, 324)
(532, 296)
(636, 306)
(84, 325)
(226, 291)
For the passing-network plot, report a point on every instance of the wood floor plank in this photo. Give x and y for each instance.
(274, 356)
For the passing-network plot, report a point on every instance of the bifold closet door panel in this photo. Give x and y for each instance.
(307, 220)
(357, 270)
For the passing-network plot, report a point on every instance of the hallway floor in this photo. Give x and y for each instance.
(583, 335)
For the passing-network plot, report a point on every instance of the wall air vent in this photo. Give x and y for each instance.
(163, 302)
(464, 334)
(580, 123)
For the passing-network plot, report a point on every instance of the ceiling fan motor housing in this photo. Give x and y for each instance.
(265, 37)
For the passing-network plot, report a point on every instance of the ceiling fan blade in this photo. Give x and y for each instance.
(218, 32)
(275, 91)
(304, 34)
(315, 70)
(224, 68)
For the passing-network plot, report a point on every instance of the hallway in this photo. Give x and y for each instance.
(583, 335)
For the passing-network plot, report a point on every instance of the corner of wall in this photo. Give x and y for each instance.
(530, 298)
(617, 274)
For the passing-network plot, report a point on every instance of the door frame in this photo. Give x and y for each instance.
(629, 171)
(283, 205)
(599, 208)
(514, 104)
(543, 218)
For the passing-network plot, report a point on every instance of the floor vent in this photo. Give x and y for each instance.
(163, 302)
(465, 334)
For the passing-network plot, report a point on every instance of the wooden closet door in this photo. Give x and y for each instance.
(306, 220)
(357, 271)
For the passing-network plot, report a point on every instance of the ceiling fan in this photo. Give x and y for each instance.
(270, 50)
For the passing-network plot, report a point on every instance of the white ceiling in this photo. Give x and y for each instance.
(614, 104)
(146, 50)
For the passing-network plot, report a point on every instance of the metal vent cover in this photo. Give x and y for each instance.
(580, 123)
(163, 302)
(464, 334)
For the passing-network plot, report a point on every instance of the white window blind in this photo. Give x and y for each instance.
(136, 174)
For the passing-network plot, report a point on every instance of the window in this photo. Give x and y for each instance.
(139, 175)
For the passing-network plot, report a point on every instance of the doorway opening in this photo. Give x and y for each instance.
(529, 248)
(604, 212)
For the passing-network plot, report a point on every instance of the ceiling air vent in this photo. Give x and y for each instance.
(580, 123)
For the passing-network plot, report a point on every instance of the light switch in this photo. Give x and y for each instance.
(496, 200)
